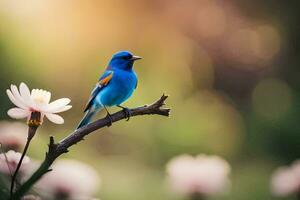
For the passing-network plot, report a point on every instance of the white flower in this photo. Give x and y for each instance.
(13, 135)
(36, 101)
(204, 175)
(286, 180)
(10, 165)
(69, 179)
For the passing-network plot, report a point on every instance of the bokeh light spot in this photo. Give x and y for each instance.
(211, 20)
(254, 46)
(272, 99)
(269, 42)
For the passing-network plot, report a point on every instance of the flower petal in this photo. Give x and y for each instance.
(63, 109)
(18, 113)
(17, 95)
(14, 100)
(25, 93)
(55, 118)
(58, 104)
(47, 96)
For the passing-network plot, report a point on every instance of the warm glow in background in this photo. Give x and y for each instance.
(231, 68)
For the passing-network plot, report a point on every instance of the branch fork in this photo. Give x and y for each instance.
(57, 149)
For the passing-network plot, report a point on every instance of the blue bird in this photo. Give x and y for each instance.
(115, 86)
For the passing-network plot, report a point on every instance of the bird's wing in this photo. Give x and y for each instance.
(103, 81)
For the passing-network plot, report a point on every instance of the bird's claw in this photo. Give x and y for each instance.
(127, 113)
(110, 119)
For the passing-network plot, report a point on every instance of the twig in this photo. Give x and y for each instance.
(57, 149)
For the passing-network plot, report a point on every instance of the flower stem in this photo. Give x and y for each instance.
(197, 196)
(33, 125)
(18, 167)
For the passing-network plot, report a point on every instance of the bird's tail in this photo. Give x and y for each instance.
(87, 118)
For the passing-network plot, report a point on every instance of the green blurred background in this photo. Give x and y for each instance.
(231, 69)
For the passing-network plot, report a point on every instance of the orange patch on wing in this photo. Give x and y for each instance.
(106, 80)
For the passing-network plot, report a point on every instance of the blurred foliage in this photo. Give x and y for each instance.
(230, 67)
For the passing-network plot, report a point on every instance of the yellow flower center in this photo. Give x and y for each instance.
(39, 99)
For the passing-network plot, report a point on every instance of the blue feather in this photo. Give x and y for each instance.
(88, 117)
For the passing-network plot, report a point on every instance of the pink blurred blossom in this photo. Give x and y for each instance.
(204, 175)
(13, 135)
(286, 180)
(31, 197)
(70, 179)
(10, 165)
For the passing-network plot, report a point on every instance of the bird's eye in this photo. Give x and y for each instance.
(127, 57)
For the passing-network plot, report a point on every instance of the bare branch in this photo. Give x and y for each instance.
(56, 149)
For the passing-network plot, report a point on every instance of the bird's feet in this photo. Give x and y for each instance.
(110, 119)
(126, 111)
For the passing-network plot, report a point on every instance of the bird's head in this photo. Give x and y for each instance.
(123, 60)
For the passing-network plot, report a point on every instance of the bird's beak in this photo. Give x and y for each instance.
(136, 58)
